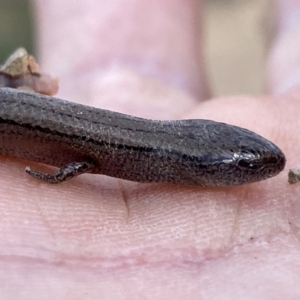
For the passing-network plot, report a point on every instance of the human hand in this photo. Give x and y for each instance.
(99, 237)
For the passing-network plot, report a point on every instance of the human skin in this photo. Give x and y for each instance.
(96, 237)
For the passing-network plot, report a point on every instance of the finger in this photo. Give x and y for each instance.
(284, 59)
(110, 50)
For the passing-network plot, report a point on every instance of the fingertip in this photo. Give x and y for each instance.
(284, 59)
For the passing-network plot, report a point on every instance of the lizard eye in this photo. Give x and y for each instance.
(248, 164)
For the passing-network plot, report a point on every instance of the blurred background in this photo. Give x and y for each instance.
(237, 34)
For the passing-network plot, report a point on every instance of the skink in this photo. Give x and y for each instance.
(79, 139)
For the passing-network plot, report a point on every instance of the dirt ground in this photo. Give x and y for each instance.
(237, 36)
